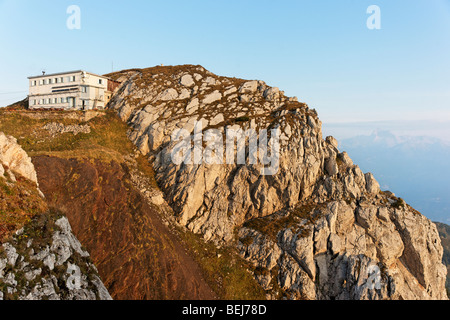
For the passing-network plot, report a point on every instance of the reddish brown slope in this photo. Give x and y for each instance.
(135, 253)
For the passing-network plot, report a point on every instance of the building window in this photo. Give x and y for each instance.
(100, 81)
(84, 89)
(56, 80)
(50, 81)
(61, 79)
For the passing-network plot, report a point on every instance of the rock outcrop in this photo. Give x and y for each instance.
(55, 128)
(44, 260)
(311, 222)
(40, 258)
(14, 158)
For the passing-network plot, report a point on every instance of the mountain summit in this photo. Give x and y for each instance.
(318, 228)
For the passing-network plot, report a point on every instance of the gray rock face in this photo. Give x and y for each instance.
(316, 228)
(51, 266)
(343, 257)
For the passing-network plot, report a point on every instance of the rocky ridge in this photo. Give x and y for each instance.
(317, 229)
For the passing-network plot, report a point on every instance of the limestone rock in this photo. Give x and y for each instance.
(249, 87)
(41, 279)
(55, 128)
(331, 166)
(272, 94)
(344, 157)
(193, 106)
(332, 141)
(187, 80)
(15, 158)
(317, 221)
(372, 185)
(217, 119)
(212, 97)
(169, 94)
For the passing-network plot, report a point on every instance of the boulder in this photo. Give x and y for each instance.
(15, 158)
(187, 80)
(212, 97)
(249, 87)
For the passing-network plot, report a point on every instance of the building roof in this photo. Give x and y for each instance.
(63, 73)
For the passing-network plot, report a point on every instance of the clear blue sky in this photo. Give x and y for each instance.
(320, 51)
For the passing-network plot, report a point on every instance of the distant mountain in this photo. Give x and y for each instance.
(417, 168)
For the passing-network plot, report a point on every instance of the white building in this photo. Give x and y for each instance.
(77, 90)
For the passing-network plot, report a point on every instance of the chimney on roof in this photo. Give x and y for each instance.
(43, 73)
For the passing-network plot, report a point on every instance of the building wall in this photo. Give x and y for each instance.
(88, 91)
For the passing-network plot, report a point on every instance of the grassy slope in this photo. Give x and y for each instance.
(19, 203)
(107, 140)
(222, 268)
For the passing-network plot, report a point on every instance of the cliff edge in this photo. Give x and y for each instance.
(313, 225)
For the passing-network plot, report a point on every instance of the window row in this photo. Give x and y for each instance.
(50, 101)
(43, 82)
(54, 101)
